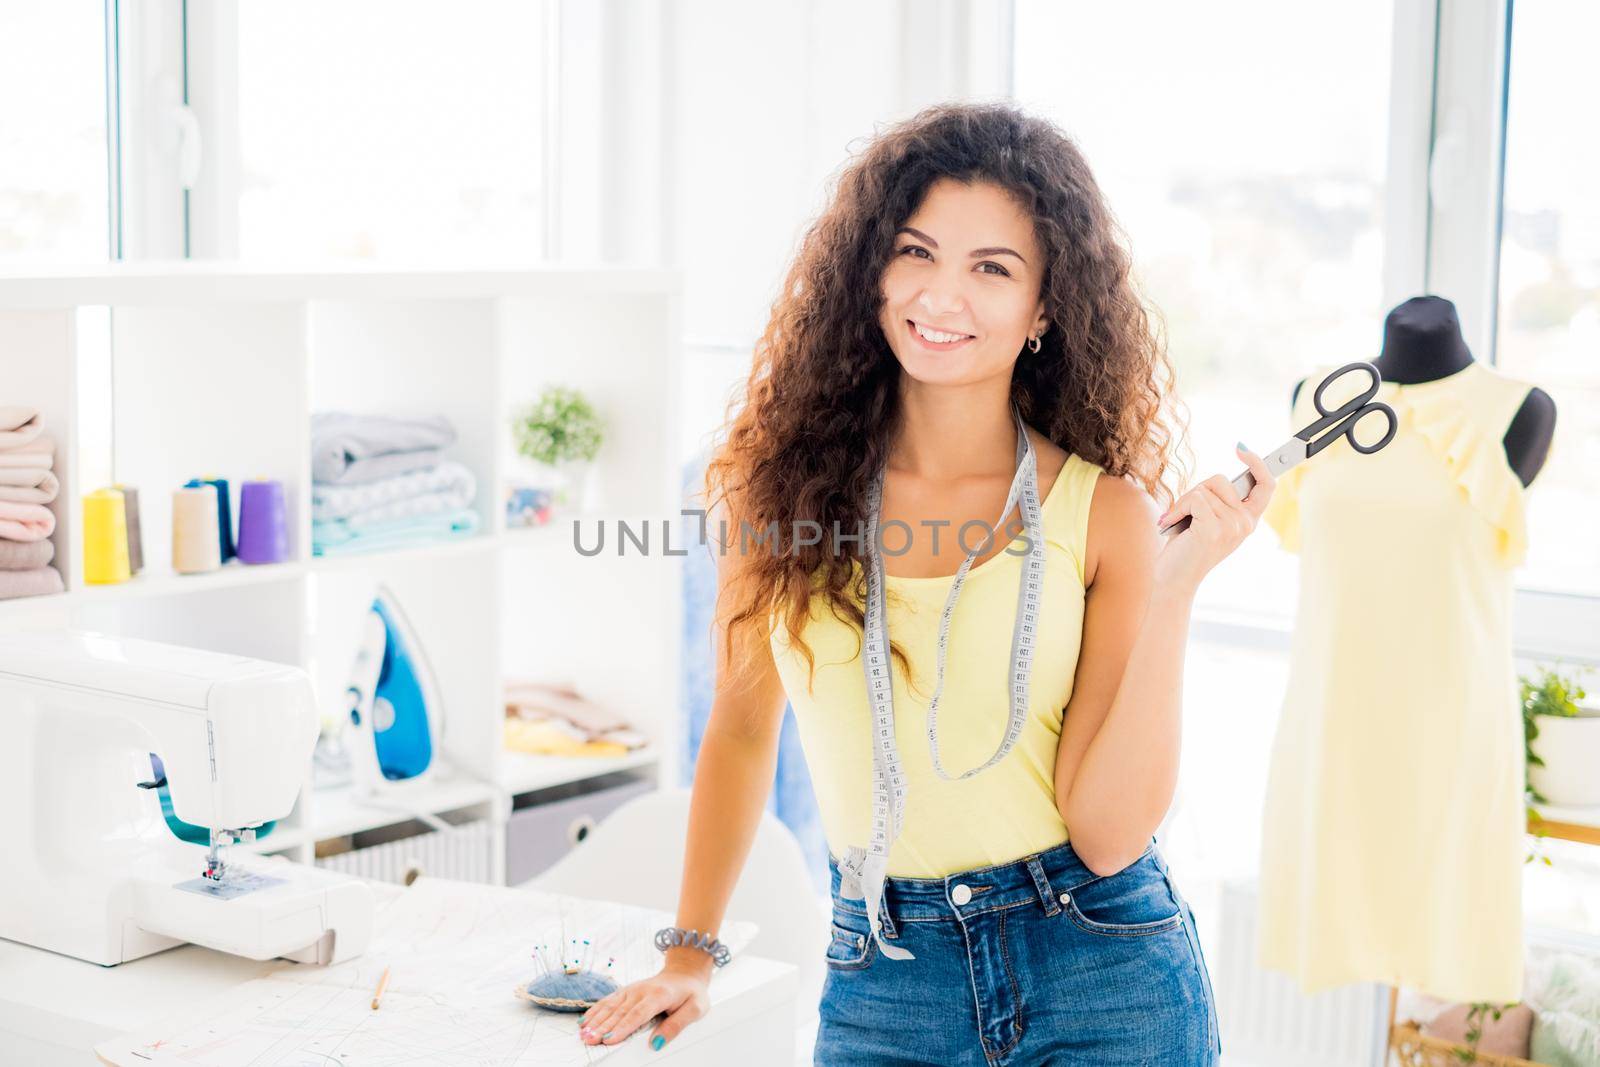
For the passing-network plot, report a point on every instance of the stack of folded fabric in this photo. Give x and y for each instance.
(382, 482)
(556, 720)
(27, 486)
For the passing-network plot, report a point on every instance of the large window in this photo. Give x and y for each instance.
(399, 131)
(1242, 147)
(54, 204)
(1549, 306)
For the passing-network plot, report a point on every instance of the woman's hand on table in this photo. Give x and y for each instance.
(679, 989)
(1219, 521)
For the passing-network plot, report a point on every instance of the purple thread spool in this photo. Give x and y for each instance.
(263, 529)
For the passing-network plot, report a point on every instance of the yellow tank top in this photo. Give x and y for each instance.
(1005, 812)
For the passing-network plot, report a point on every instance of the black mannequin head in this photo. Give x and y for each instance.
(1422, 341)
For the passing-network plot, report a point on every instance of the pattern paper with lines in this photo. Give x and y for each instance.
(456, 952)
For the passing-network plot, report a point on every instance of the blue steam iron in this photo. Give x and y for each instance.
(395, 713)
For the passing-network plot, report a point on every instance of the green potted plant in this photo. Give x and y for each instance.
(560, 433)
(1562, 736)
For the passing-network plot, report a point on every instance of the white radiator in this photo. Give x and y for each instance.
(463, 852)
(1267, 1022)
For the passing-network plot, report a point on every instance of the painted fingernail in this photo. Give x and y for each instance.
(657, 1041)
(585, 1033)
(1242, 448)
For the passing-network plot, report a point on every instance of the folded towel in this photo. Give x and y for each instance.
(25, 555)
(541, 699)
(335, 538)
(36, 582)
(39, 452)
(18, 426)
(384, 466)
(27, 477)
(446, 487)
(26, 522)
(347, 449)
(40, 492)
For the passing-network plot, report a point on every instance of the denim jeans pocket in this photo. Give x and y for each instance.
(849, 950)
(1137, 901)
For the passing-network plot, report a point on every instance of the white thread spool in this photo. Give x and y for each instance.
(196, 541)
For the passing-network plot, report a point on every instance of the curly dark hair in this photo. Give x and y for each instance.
(819, 409)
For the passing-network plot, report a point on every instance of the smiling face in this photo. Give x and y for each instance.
(967, 270)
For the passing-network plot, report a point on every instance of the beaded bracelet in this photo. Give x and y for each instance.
(670, 936)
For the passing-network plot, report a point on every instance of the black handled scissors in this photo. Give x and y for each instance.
(1301, 446)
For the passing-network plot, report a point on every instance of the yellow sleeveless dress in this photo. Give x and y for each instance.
(1005, 812)
(1392, 837)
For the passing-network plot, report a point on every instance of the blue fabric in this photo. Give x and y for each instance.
(792, 799)
(1007, 972)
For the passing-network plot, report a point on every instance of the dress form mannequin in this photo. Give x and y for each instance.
(1394, 816)
(1422, 342)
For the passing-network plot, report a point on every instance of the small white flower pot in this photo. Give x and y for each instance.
(1570, 749)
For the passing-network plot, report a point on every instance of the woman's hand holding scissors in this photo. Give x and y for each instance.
(1218, 522)
(1223, 513)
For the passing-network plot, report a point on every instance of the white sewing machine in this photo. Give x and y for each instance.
(89, 867)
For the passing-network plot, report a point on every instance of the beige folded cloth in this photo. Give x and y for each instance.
(26, 522)
(39, 452)
(36, 582)
(536, 699)
(18, 426)
(25, 555)
(40, 492)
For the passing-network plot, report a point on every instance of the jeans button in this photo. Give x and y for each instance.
(961, 894)
(1066, 898)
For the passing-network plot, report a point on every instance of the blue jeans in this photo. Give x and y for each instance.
(1036, 961)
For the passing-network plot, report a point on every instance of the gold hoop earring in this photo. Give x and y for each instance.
(1034, 344)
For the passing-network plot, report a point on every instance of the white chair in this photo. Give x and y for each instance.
(635, 856)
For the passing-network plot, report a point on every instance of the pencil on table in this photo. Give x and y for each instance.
(377, 993)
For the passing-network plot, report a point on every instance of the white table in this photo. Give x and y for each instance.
(54, 1009)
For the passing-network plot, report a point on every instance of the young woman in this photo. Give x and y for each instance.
(992, 725)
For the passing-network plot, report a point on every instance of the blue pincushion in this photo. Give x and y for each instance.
(567, 990)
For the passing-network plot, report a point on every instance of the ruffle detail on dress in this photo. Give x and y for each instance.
(1469, 439)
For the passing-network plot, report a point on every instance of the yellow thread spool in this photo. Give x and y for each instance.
(105, 538)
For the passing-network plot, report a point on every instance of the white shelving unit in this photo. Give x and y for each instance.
(215, 371)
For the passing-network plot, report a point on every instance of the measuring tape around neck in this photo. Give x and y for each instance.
(864, 870)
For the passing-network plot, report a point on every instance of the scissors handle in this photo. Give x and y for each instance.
(1329, 414)
(1344, 418)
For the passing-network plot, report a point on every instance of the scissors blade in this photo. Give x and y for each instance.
(1286, 455)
